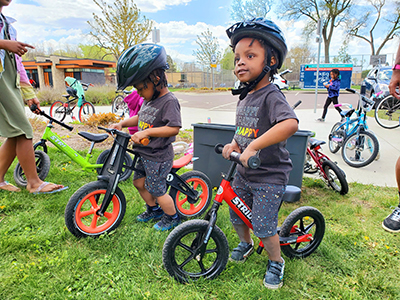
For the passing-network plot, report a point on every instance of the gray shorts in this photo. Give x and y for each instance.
(156, 175)
(264, 201)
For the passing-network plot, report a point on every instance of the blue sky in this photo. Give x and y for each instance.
(56, 23)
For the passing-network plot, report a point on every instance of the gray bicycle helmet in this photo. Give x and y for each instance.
(137, 62)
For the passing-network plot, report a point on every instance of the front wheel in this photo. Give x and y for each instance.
(360, 149)
(126, 172)
(302, 221)
(387, 113)
(199, 183)
(42, 161)
(86, 110)
(58, 111)
(183, 257)
(336, 178)
(119, 106)
(336, 137)
(81, 216)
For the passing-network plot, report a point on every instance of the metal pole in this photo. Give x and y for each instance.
(319, 31)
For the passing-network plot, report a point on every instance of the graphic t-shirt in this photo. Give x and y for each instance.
(163, 111)
(255, 115)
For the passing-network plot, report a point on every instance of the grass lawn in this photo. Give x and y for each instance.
(41, 259)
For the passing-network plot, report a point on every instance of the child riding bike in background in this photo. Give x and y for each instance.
(264, 121)
(333, 86)
(159, 119)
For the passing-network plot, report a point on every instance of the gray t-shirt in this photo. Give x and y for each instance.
(255, 115)
(163, 111)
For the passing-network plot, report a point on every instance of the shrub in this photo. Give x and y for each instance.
(48, 95)
(100, 94)
(102, 119)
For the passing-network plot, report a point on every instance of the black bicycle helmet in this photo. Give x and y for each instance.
(137, 62)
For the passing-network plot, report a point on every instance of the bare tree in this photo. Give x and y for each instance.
(120, 26)
(363, 27)
(209, 46)
(333, 13)
(248, 9)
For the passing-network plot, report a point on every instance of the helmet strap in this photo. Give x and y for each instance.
(251, 85)
(156, 92)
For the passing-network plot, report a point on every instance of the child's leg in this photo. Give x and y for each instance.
(336, 101)
(167, 204)
(397, 171)
(146, 196)
(273, 248)
(243, 233)
(328, 102)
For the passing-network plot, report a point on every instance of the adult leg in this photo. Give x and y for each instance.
(7, 156)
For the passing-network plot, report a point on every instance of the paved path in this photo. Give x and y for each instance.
(380, 172)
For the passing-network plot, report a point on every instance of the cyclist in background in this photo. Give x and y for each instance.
(333, 87)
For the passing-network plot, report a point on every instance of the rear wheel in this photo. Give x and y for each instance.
(126, 172)
(336, 137)
(58, 111)
(360, 149)
(336, 177)
(387, 113)
(86, 110)
(119, 106)
(310, 167)
(199, 183)
(42, 161)
(304, 220)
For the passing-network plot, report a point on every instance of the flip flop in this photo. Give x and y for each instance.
(6, 183)
(45, 183)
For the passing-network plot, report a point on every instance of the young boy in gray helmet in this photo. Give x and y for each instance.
(264, 121)
(159, 119)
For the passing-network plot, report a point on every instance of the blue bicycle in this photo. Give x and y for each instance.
(359, 145)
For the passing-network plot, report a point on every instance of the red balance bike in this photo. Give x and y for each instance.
(198, 248)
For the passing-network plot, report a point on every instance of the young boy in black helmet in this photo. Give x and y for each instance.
(264, 121)
(159, 119)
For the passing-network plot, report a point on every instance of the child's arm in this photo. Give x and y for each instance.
(133, 121)
(164, 131)
(229, 148)
(278, 133)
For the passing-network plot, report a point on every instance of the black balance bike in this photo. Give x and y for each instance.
(99, 206)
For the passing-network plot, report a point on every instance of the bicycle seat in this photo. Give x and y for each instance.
(94, 137)
(183, 161)
(292, 194)
(315, 143)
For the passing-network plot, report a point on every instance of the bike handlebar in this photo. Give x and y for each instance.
(42, 113)
(253, 162)
(364, 98)
(296, 104)
(112, 131)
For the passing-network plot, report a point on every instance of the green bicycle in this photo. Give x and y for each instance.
(43, 160)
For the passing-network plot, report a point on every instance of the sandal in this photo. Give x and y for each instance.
(6, 186)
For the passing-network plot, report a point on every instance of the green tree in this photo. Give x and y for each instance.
(343, 56)
(172, 65)
(228, 59)
(365, 20)
(208, 46)
(95, 52)
(247, 9)
(333, 13)
(120, 26)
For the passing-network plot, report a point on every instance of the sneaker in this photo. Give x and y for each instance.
(392, 222)
(167, 223)
(242, 252)
(321, 120)
(274, 277)
(149, 214)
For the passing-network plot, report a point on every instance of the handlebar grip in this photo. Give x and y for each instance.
(34, 107)
(350, 90)
(253, 162)
(296, 104)
(145, 141)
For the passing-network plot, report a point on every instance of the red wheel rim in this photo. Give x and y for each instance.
(182, 202)
(87, 219)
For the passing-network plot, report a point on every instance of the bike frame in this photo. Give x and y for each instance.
(318, 158)
(56, 140)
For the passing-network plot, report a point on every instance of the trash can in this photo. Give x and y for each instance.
(207, 135)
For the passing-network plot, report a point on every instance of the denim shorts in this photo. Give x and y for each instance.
(264, 201)
(156, 175)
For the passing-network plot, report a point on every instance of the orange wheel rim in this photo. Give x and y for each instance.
(182, 201)
(88, 220)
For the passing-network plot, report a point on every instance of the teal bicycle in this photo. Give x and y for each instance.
(359, 145)
(43, 160)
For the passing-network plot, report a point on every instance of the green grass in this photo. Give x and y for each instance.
(41, 259)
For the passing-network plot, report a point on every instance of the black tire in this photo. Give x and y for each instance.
(336, 177)
(336, 138)
(303, 220)
(81, 209)
(360, 149)
(42, 167)
(179, 252)
(126, 172)
(86, 110)
(310, 167)
(202, 184)
(387, 113)
(40, 146)
(119, 106)
(58, 111)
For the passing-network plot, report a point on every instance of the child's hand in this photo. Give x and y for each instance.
(116, 126)
(229, 148)
(247, 153)
(139, 136)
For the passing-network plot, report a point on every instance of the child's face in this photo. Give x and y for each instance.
(333, 75)
(249, 59)
(145, 92)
